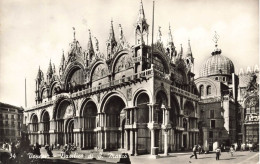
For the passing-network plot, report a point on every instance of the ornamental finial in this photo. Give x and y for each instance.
(215, 39)
(74, 33)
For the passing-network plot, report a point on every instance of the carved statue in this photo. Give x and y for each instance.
(252, 84)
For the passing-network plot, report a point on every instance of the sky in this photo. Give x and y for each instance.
(34, 32)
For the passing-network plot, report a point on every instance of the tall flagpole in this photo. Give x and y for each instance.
(152, 35)
(25, 94)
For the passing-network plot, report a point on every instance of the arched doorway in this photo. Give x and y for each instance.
(189, 122)
(89, 115)
(112, 109)
(65, 112)
(174, 135)
(69, 131)
(46, 128)
(161, 101)
(143, 134)
(34, 129)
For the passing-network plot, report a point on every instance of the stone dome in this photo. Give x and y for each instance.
(217, 64)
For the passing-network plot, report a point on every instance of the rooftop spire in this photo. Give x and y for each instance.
(170, 39)
(112, 33)
(39, 73)
(141, 15)
(50, 71)
(90, 44)
(180, 53)
(189, 53)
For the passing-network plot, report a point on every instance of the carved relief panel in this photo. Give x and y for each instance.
(124, 62)
(100, 72)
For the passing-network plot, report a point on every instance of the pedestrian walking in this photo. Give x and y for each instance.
(194, 152)
(232, 150)
(218, 153)
(199, 149)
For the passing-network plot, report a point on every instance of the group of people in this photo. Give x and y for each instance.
(68, 148)
(217, 150)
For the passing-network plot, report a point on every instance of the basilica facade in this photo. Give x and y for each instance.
(131, 97)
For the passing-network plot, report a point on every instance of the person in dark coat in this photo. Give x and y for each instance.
(36, 150)
(194, 152)
(218, 153)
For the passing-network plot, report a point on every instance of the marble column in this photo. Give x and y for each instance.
(105, 138)
(83, 140)
(152, 139)
(136, 142)
(132, 141)
(122, 139)
(166, 142)
(127, 145)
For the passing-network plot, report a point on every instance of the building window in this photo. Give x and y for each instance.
(1, 115)
(13, 123)
(201, 90)
(210, 134)
(224, 78)
(216, 78)
(6, 123)
(212, 124)
(208, 90)
(12, 117)
(211, 113)
(6, 116)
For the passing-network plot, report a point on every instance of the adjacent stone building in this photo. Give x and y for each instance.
(249, 106)
(217, 86)
(131, 98)
(11, 121)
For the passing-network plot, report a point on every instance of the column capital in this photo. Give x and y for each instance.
(153, 126)
(166, 127)
(129, 108)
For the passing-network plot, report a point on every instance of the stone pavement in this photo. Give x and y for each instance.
(240, 157)
(86, 156)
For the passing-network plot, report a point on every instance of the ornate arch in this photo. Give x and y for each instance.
(118, 57)
(55, 83)
(109, 95)
(59, 101)
(94, 66)
(69, 70)
(173, 99)
(84, 102)
(251, 100)
(190, 111)
(138, 92)
(32, 115)
(164, 59)
(42, 112)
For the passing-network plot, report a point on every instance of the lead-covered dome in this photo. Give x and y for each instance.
(217, 64)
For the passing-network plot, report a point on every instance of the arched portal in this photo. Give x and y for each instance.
(89, 121)
(65, 112)
(143, 134)
(46, 128)
(175, 136)
(113, 109)
(189, 122)
(69, 131)
(34, 129)
(161, 101)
